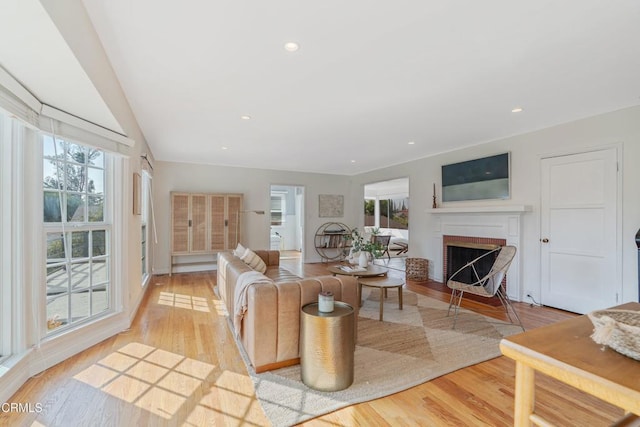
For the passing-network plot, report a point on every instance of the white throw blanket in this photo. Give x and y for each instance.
(240, 300)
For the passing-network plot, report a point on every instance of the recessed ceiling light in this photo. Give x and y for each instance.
(245, 117)
(412, 143)
(517, 110)
(225, 148)
(353, 161)
(291, 46)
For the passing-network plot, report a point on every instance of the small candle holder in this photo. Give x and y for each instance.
(325, 302)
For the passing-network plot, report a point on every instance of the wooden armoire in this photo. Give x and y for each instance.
(203, 223)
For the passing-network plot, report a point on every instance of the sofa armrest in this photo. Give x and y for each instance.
(270, 257)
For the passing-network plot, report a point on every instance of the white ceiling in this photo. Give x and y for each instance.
(367, 79)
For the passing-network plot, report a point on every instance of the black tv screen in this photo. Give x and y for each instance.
(479, 179)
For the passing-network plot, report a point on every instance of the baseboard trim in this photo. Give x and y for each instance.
(60, 348)
(13, 374)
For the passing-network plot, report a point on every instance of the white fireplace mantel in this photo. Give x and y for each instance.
(497, 221)
(498, 209)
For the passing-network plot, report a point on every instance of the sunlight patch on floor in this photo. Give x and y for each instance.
(236, 397)
(184, 301)
(220, 308)
(156, 380)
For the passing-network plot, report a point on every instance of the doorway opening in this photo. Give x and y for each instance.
(386, 212)
(286, 229)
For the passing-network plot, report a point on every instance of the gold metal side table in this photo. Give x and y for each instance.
(327, 344)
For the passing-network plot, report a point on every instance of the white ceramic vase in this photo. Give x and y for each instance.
(363, 260)
(353, 256)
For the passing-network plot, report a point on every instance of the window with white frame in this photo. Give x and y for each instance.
(5, 232)
(77, 232)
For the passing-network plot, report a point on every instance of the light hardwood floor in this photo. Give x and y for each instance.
(179, 365)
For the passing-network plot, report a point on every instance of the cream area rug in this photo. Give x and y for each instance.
(411, 346)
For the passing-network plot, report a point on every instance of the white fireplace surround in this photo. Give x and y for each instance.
(497, 222)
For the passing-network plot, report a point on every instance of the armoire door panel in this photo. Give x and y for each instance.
(180, 220)
(198, 223)
(217, 211)
(233, 213)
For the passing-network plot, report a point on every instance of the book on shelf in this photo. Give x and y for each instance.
(341, 231)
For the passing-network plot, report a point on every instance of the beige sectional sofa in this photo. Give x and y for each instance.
(270, 327)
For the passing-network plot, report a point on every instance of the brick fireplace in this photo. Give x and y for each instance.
(480, 243)
(495, 225)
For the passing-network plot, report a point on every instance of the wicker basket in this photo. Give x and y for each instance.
(417, 269)
(618, 329)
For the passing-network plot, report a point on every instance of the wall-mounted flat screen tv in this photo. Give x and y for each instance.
(479, 179)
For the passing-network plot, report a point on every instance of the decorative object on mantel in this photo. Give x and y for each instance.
(434, 205)
(618, 329)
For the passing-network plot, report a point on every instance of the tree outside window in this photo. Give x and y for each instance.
(76, 234)
(394, 213)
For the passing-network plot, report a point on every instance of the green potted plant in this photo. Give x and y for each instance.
(364, 248)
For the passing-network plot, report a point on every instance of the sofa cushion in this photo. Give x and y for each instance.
(280, 274)
(254, 261)
(239, 250)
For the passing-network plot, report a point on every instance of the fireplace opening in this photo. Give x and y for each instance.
(460, 253)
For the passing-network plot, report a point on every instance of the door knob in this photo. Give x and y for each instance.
(545, 240)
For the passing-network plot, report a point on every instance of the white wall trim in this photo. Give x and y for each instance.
(19, 91)
(14, 372)
(138, 302)
(51, 112)
(66, 345)
(505, 209)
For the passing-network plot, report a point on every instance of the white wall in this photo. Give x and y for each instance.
(621, 127)
(255, 185)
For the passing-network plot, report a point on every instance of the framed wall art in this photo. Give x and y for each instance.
(478, 179)
(331, 206)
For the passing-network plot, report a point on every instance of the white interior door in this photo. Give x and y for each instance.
(580, 261)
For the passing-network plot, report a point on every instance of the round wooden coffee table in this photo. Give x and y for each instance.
(383, 283)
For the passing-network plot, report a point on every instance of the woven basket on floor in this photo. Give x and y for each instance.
(618, 329)
(417, 269)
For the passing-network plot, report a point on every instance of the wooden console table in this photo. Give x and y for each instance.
(566, 352)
